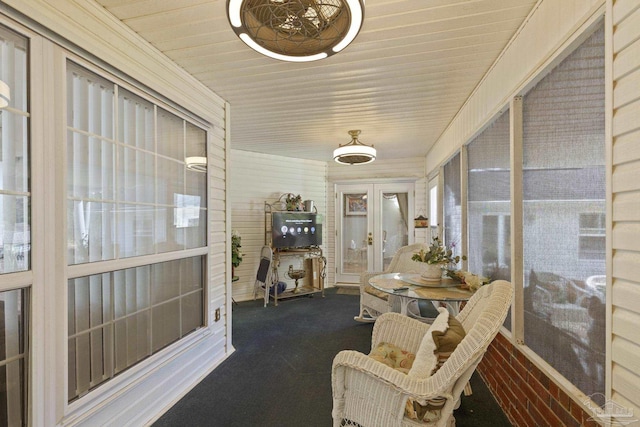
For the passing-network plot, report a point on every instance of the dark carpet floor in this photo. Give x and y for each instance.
(280, 374)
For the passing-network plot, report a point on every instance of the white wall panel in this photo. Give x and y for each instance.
(625, 354)
(259, 178)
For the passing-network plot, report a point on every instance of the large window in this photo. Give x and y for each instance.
(489, 201)
(119, 318)
(15, 229)
(15, 238)
(452, 205)
(563, 211)
(129, 195)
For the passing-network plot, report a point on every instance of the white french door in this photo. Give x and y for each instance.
(372, 222)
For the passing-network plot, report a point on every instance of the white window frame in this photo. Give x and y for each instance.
(110, 388)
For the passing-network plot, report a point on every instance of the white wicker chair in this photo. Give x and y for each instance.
(372, 303)
(368, 393)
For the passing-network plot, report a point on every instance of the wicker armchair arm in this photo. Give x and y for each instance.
(381, 391)
(380, 375)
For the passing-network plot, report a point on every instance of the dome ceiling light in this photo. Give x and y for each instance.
(354, 152)
(296, 30)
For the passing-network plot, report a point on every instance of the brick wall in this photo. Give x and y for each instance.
(524, 392)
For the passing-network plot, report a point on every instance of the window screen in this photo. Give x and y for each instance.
(452, 205)
(564, 206)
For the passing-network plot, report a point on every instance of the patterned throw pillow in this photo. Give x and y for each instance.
(393, 356)
(439, 342)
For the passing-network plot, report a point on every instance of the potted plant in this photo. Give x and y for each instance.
(294, 203)
(236, 255)
(438, 257)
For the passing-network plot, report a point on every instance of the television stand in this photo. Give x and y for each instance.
(295, 238)
(309, 279)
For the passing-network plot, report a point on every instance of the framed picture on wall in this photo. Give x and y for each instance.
(355, 204)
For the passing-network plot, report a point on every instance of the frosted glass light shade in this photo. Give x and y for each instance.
(355, 152)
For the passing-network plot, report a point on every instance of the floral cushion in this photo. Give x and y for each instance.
(376, 293)
(393, 356)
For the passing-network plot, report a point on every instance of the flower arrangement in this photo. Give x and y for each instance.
(438, 253)
(294, 203)
(469, 280)
(236, 255)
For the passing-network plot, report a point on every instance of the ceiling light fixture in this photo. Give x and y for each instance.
(296, 30)
(5, 94)
(196, 163)
(354, 152)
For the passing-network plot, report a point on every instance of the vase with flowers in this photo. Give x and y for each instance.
(438, 258)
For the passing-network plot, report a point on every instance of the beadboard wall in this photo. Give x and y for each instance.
(259, 178)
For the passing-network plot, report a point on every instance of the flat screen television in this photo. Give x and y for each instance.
(295, 230)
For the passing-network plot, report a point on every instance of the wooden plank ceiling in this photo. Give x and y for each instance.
(401, 81)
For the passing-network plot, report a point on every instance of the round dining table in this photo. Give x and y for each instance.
(408, 288)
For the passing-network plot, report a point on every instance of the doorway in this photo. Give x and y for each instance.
(372, 223)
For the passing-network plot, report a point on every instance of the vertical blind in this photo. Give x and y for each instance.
(129, 195)
(15, 229)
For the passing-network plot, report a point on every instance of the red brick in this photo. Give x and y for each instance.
(518, 419)
(534, 371)
(521, 371)
(541, 391)
(564, 415)
(566, 402)
(518, 393)
(589, 422)
(577, 413)
(554, 390)
(528, 391)
(536, 416)
(501, 397)
(501, 374)
(549, 416)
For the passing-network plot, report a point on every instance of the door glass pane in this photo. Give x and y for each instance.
(433, 210)
(354, 233)
(395, 229)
